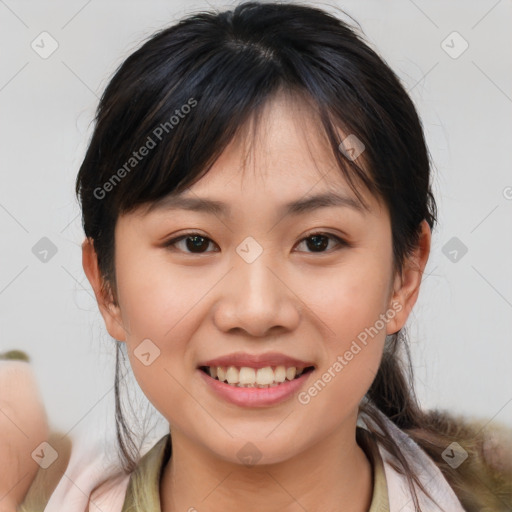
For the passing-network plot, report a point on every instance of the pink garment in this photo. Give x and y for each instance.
(87, 468)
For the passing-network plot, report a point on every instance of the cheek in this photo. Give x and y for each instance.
(153, 297)
(350, 302)
(159, 307)
(349, 297)
(160, 384)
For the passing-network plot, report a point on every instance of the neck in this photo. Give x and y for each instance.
(331, 475)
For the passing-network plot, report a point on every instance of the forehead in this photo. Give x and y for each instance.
(280, 158)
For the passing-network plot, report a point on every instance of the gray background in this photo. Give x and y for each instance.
(460, 329)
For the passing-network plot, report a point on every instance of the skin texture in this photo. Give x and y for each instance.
(23, 426)
(291, 299)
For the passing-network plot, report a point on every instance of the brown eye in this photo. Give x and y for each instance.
(195, 243)
(318, 242)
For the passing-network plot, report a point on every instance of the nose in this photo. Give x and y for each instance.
(255, 298)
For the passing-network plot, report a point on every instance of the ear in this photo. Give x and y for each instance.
(109, 310)
(406, 285)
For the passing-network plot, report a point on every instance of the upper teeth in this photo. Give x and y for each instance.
(246, 376)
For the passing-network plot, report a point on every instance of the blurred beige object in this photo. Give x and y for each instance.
(23, 427)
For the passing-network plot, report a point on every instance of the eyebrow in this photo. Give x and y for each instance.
(218, 208)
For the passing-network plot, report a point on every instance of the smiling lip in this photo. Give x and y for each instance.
(256, 361)
(255, 397)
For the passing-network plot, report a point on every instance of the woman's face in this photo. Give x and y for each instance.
(258, 283)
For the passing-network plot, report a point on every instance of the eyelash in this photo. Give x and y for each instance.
(340, 242)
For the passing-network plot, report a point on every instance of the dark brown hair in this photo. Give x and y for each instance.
(192, 87)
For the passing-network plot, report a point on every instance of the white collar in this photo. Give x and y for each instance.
(399, 492)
